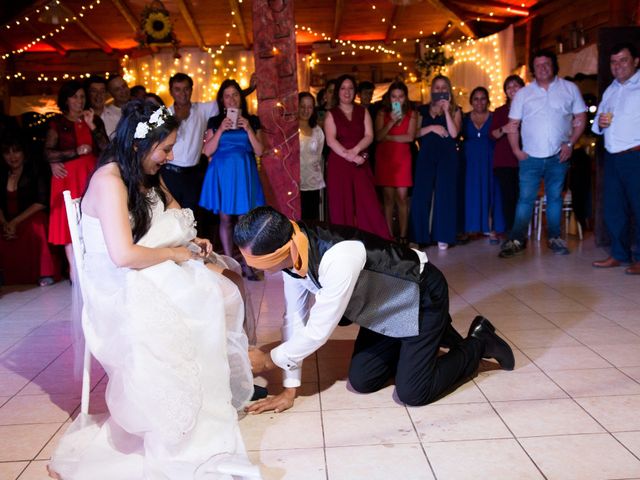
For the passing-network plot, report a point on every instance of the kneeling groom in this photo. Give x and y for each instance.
(399, 299)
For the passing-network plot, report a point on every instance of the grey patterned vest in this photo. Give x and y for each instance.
(386, 298)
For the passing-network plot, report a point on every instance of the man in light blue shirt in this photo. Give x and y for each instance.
(618, 118)
(552, 116)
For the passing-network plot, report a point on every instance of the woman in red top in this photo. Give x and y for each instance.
(395, 130)
(351, 192)
(505, 163)
(74, 140)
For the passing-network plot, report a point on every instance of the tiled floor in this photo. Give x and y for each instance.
(571, 408)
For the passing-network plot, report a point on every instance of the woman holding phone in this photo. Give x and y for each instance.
(436, 169)
(231, 185)
(395, 130)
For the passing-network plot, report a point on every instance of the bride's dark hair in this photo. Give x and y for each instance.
(129, 152)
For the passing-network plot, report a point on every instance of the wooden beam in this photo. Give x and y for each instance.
(239, 21)
(337, 21)
(106, 48)
(186, 14)
(493, 4)
(396, 14)
(456, 16)
(124, 9)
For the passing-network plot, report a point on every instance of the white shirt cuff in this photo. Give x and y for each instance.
(292, 371)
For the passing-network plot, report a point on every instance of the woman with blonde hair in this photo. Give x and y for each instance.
(439, 124)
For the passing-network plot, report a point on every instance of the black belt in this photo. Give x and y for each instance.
(628, 150)
(177, 169)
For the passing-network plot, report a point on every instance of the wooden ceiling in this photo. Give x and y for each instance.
(111, 25)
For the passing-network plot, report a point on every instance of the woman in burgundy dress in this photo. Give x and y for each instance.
(351, 192)
(24, 251)
(74, 140)
(395, 130)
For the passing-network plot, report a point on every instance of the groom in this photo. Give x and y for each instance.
(399, 299)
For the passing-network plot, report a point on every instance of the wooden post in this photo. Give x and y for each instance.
(274, 47)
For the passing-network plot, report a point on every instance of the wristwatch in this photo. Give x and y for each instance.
(569, 144)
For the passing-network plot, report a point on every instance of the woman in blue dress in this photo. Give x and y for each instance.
(483, 209)
(231, 185)
(436, 168)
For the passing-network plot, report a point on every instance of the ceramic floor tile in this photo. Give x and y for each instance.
(277, 431)
(11, 470)
(520, 321)
(391, 462)
(295, 464)
(473, 421)
(487, 459)
(616, 414)
(544, 337)
(566, 358)
(595, 382)
(36, 470)
(620, 355)
(580, 457)
(367, 426)
(468, 392)
(576, 320)
(518, 386)
(533, 418)
(631, 440)
(610, 336)
(11, 383)
(633, 372)
(49, 448)
(23, 442)
(340, 396)
(38, 409)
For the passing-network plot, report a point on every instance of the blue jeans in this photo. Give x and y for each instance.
(532, 170)
(621, 201)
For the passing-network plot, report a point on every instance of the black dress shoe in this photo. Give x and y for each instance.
(480, 320)
(494, 346)
(259, 393)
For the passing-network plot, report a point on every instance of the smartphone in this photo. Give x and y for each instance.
(435, 96)
(232, 113)
(396, 108)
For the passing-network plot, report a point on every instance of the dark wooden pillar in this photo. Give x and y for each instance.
(274, 48)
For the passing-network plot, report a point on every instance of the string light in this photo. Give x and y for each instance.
(50, 34)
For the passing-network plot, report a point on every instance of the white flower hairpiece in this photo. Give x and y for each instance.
(156, 119)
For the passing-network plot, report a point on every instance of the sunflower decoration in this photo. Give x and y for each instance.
(157, 27)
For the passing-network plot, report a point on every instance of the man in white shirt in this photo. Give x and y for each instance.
(618, 118)
(552, 116)
(182, 175)
(96, 90)
(399, 299)
(119, 90)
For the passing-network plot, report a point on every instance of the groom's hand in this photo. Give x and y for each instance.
(260, 361)
(278, 403)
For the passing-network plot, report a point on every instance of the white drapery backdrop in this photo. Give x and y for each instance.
(483, 62)
(153, 71)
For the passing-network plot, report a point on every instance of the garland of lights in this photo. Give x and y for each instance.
(51, 33)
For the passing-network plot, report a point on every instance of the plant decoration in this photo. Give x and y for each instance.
(157, 28)
(432, 62)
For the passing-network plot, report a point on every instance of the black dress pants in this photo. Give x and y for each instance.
(184, 184)
(509, 180)
(421, 376)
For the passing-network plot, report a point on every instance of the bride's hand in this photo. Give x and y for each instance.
(181, 254)
(205, 245)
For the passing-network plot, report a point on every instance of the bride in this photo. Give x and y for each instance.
(165, 326)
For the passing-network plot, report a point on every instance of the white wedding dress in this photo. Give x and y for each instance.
(171, 341)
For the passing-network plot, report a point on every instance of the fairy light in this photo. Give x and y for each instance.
(47, 35)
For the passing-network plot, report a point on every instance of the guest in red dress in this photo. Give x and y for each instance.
(24, 251)
(395, 130)
(74, 140)
(351, 192)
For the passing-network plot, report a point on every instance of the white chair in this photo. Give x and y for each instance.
(567, 209)
(72, 206)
